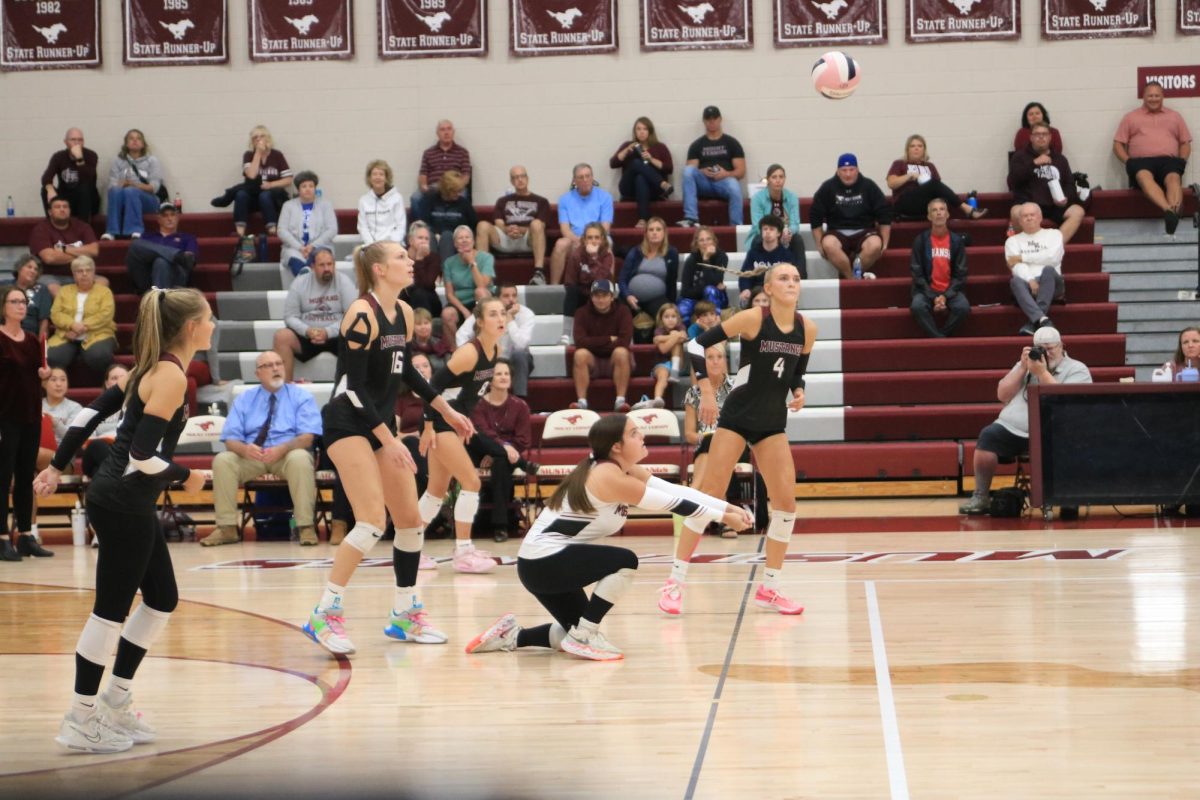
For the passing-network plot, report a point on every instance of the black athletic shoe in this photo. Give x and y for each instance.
(1171, 221)
(1027, 329)
(29, 546)
(7, 551)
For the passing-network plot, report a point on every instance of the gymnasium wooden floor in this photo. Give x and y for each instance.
(937, 658)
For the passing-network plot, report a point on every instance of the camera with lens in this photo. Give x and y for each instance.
(1036, 353)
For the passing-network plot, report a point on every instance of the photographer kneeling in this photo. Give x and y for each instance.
(1045, 362)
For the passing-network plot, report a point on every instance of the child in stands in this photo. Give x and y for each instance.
(669, 337)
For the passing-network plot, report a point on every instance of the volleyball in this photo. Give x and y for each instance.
(836, 75)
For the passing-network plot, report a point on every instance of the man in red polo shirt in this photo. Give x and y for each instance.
(1153, 142)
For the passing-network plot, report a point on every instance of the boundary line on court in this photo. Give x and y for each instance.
(897, 777)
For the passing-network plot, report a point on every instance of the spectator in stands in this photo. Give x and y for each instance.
(1033, 114)
(914, 181)
(444, 156)
(590, 260)
(715, 167)
(582, 205)
(501, 441)
(781, 202)
(306, 222)
(60, 239)
(699, 283)
(650, 276)
(448, 209)
(26, 272)
(705, 316)
(1035, 258)
(60, 408)
(851, 220)
(759, 298)
(84, 321)
(939, 273)
(670, 335)
(1187, 352)
(1154, 143)
(1037, 174)
(467, 276)
(312, 312)
(645, 165)
(427, 272)
(21, 372)
(270, 429)
(381, 210)
(518, 222)
(102, 438)
(164, 259)
(1008, 436)
(514, 344)
(695, 432)
(71, 175)
(434, 348)
(133, 182)
(266, 177)
(767, 252)
(603, 338)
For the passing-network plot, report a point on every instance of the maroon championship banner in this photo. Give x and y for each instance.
(50, 34)
(562, 27)
(1176, 81)
(962, 20)
(432, 28)
(175, 32)
(1096, 19)
(1189, 17)
(806, 23)
(300, 30)
(696, 25)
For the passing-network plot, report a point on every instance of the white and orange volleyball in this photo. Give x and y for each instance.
(836, 75)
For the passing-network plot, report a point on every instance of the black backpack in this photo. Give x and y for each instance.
(1008, 502)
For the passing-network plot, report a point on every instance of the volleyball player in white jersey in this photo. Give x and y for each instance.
(558, 558)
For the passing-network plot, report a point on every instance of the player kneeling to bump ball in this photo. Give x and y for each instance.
(557, 558)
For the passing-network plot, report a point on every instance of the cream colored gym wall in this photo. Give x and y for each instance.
(548, 113)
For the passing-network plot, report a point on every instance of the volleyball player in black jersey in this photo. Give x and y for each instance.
(171, 326)
(776, 342)
(359, 433)
(465, 378)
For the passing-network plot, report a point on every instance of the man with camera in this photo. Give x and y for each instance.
(1046, 362)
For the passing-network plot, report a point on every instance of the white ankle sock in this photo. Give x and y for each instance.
(620, 399)
(771, 578)
(406, 598)
(679, 571)
(82, 706)
(586, 627)
(118, 690)
(463, 544)
(332, 597)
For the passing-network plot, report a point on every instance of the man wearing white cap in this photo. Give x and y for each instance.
(1046, 362)
(1035, 257)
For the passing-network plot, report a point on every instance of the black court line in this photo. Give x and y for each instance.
(716, 701)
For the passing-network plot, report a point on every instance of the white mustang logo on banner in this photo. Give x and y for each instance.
(831, 8)
(178, 29)
(964, 6)
(1099, 5)
(52, 33)
(304, 24)
(436, 21)
(697, 13)
(566, 18)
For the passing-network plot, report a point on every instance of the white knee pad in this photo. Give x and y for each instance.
(409, 540)
(611, 587)
(780, 527)
(144, 625)
(362, 537)
(98, 639)
(428, 507)
(466, 506)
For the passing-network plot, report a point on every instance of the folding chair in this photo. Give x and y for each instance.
(566, 427)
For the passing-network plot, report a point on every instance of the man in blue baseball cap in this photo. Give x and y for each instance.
(851, 220)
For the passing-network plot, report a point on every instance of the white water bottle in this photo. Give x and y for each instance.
(78, 525)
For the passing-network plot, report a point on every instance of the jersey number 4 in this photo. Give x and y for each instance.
(778, 368)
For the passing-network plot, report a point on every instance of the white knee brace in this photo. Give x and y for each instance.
(144, 625)
(466, 506)
(428, 507)
(611, 587)
(780, 527)
(362, 537)
(98, 639)
(409, 540)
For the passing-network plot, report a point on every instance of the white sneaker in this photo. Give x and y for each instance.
(565, 340)
(593, 647)
(125, 720)
(107, 237)
(643, 404)
(93, 735)
(502, 635)
(326, 628)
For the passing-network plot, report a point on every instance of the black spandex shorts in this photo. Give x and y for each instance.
(751, 437)
(340, 421)
(706, 442)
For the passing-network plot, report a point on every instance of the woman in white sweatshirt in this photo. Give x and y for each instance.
(381, 214)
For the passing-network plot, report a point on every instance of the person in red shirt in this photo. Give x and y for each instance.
(603, 338)
(502, 437)
(939, 273)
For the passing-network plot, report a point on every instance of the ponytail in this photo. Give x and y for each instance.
(161, 318)
(604, 434)
(366, 256)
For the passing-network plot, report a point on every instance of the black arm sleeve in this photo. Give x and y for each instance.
(441, 381)
(696, 347)
(356, 362)
(798, 375)
(415, 381)
(144, 455)
(85, 422)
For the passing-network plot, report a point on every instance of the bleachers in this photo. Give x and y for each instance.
(884, 403)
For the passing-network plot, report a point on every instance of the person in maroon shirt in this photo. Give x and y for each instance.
(443, 156)
(60, 239)
(590, 260)
(427, 271)
(645, 165)
(266, 177)
(939, 273)
(914, 181)
(71, 174)
(21, 375)
(603, 341)
(1032, 114)
(500, 442)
